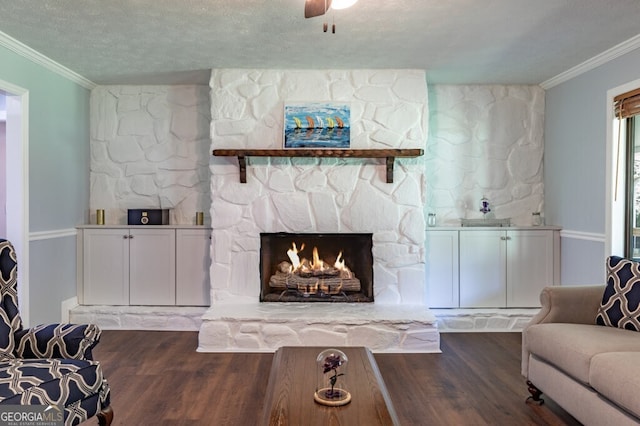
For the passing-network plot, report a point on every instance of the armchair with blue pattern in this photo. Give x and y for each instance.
(48, 364)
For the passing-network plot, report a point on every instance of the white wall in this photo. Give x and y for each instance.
(150, 149)
(485, 141)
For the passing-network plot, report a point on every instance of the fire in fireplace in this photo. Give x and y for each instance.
(316, 267)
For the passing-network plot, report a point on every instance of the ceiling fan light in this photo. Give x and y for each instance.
(342, 4)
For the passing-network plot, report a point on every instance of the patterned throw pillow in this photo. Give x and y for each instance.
(620, 305)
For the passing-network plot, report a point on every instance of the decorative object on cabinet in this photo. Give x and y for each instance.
(431, 220)
(486, 222)
(484, 206)
(317, 125)
(389, 154)
(536, 219)
(148, 217)
(49, 365)
(100, 217)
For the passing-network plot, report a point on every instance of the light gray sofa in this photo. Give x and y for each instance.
(592, 371)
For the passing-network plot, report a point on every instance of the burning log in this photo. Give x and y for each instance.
(283, 280)
(313, 276)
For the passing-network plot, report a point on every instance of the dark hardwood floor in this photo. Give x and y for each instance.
(158, 378)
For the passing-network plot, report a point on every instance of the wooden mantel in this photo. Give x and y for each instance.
(389, 154)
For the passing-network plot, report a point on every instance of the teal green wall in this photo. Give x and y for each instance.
(58, 178)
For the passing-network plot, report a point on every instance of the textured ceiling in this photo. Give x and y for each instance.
(455, 41)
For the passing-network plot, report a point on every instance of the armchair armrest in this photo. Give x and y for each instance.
(572, 304)
(70, 341)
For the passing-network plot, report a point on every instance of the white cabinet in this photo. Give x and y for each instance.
(482, 269)
(530, 266)
(192, 267)
(143, 265)
(106, 267)
(152, 267)
(441, 247)
(505, 268)
(490, 268)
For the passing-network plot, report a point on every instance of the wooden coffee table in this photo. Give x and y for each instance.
(292, 382)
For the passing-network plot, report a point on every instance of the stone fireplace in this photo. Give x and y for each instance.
(318, 196)
(316, 267)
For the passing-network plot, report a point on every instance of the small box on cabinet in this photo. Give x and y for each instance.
(148, 217)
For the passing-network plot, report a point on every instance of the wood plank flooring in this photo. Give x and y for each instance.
(157, 378)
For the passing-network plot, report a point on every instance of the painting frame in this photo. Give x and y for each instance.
(317, 125)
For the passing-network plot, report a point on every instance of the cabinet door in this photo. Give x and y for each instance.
(152, 269)
(529, 266)
(106, 266)
(192, 267)
(442, 268)
(482, 269)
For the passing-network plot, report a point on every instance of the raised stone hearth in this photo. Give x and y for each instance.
(267, 326)
(191, 318)
(483, 320)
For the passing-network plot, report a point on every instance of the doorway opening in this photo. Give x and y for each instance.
(14, 160)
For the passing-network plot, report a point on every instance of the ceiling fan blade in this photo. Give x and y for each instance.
(316, 7)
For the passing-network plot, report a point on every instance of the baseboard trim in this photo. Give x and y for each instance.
(66, 306)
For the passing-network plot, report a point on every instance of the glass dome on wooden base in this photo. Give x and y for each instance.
(331, 382)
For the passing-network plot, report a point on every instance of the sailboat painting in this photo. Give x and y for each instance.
(317, 125)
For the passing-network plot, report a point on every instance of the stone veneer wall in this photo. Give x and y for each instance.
(150, 149)
(388, 110)
(485, 140)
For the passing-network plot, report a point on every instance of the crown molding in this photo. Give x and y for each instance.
(623, 48)
(38, 58)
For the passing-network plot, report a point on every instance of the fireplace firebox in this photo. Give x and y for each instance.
(316, 267)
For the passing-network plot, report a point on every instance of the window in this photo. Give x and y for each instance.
(627, 108)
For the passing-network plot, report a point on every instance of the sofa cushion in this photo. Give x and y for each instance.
(570, 347)
(615, 376)
(620, 305)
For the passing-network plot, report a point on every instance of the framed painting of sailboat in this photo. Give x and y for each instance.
(317, 125)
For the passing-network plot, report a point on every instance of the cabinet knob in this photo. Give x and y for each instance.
(125, 236)
(503, 238)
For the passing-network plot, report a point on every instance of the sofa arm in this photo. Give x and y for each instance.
(572, 304)
(68, 341)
